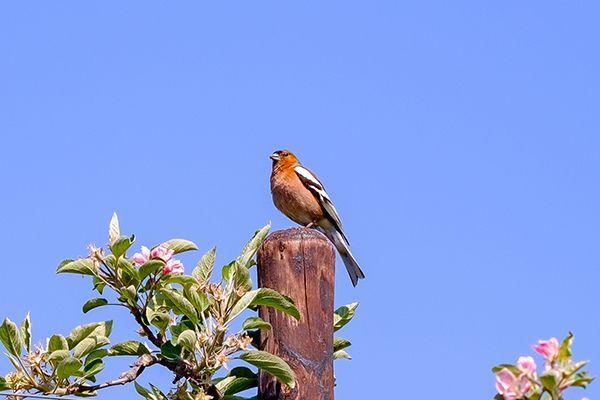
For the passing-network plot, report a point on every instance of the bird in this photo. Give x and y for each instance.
(300, 195)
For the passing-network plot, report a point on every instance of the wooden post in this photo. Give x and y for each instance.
(299, 263)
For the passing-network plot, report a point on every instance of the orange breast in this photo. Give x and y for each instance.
(293, 199)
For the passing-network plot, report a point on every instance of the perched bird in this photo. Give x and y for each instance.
(300, 195)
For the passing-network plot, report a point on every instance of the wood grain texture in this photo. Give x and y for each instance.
(299, 263)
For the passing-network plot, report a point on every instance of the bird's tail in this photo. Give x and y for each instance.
(340, 243)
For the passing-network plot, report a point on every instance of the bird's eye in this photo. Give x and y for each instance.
(285, 154)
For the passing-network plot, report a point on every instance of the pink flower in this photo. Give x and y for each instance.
(527, 365)
(547, 348)
(143, 257)
(173, 266)
(511, 387)
(161, 252)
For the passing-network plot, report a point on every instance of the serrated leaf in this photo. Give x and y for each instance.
(255, 323)
(272, 364)
(343, 315)
(180, 245)
(114, 231)
(10, 337)
(264, 297)
(341, 354)
(188, 339)
(121, 245)
(340, 343)
(129, 348)
(83, 266)
(252, 246)
(68, 367)
(57, 342)
(26, 332)
(204, 268)
(94, 303)
(181, 304)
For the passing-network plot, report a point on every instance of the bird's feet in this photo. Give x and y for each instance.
(311, 225)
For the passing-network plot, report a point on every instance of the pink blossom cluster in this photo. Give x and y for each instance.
(159, 253)
(520, 381)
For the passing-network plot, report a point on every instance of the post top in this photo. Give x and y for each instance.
(296, 234)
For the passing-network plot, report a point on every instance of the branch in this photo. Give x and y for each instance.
(136, 370)
(157, 339)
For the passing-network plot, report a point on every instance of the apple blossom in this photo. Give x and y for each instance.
(547, 348)
(143, 257)
(527, 365)
(510, 386)
(173, 266)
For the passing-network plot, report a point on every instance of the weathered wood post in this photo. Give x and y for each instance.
(299, 263)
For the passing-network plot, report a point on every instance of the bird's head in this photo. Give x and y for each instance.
(283, 158)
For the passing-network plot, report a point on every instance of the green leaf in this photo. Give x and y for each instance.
(57, 342)
(179, 245)
(96, 355)
(255, 323)
(68, 367)
(130, 294)
(99, 284)
(114, 231)
(264, 297)
(3, 384)
(252, 246)
(26, 332)
(239, 385)
(10, 337)
(564, 352)
(581, 379)
(129, 348)
(89, 344)
(204, 268)
(188, 339)
(512, 368)
(549, 380)
(142, 391)
(181, 304)
(340, 343)
(83, 266)
(150, 267)
(197, 297)
(58, 355)
(272, 364)
(127, 273)
(341, 354)
(121, 245)
(184, 280)
(343, 315)
(93, 368)
(243, 372)
(241, 277)
(93, 329)
(94, 303)
(170, 351)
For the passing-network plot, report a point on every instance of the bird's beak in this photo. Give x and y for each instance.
(274, 157)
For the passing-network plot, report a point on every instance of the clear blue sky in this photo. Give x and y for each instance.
(460, 141)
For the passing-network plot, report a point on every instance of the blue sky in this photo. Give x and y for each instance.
(458, 140)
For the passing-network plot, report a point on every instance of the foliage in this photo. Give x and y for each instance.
(185, 318)
(520, 381)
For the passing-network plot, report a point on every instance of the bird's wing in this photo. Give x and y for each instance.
(312, 183)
